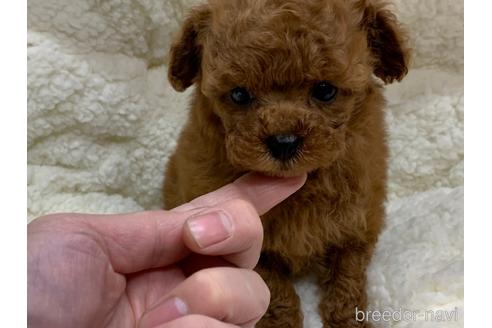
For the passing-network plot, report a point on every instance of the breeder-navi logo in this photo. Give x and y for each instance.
(407, 315)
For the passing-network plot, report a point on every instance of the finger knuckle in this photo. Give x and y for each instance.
(209, 282)
(244, 206)
(196, 321)
(262, 294)
(248, 215)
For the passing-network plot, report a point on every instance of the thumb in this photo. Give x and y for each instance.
(144, 240)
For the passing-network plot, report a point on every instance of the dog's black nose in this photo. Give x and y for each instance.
(283, 146)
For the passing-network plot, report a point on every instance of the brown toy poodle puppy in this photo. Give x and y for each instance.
(285, 87)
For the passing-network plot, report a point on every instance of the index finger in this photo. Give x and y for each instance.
(145, 240)
(261, 191)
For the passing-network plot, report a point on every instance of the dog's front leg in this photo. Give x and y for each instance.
(284, 310)
(342, 280)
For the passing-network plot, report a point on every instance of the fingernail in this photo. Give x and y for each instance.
(166, 311)
(210, 228)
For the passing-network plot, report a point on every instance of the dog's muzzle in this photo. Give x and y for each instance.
(283, 146)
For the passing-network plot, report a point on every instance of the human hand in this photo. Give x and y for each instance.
(188, 267)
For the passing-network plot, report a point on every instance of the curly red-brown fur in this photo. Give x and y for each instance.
(277, 50)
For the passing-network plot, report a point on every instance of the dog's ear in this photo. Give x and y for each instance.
(186, 50)
(386, 40)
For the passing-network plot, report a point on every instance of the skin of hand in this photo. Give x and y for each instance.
(187, 267)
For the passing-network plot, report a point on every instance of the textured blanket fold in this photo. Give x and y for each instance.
(102, 121)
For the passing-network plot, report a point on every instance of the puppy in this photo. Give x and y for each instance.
(285, 87)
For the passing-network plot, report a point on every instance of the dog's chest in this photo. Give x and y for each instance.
(304, 226)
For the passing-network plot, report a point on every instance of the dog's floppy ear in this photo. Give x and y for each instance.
(186, 51)
(386, 40)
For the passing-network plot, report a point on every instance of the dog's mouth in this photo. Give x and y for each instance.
(286, 171)
(279, 154)
(285, 157)
(274, 160)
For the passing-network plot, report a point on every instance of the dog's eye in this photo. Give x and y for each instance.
(241, 96)
(324, 91)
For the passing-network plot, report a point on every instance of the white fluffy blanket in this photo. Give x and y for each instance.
(102, 121)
